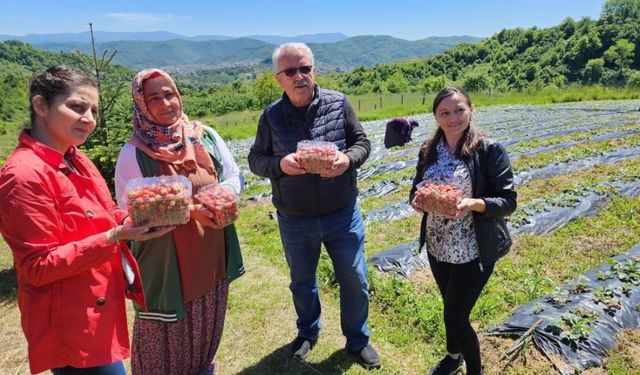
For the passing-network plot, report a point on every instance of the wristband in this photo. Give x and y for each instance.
(113, 234)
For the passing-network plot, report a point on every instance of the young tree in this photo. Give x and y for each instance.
(592, 72)
(620, 54)
(475, 83)
(397, 83)
(112, 125)
(266, 88)
(433, 84)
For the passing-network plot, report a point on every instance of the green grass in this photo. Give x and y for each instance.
(581, 151)
(396, 105)
(625, 359)
(555, 95)
(625, 170)
(368, 106)
(234, 125)
(405, 317)
(575, 136)
(8, 281)
(8, 140)
(535, 265)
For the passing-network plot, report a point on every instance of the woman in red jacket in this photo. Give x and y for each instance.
(66, 235)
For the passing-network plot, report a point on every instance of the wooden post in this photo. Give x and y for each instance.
(358, 105)
(401, 99)
(375, 107)
(423, 97)
(380, 101)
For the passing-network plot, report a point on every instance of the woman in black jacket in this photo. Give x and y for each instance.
(464, 247)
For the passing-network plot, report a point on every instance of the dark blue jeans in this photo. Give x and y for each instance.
(115, 368)
(342, 233)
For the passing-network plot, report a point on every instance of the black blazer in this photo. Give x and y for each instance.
(492, 181)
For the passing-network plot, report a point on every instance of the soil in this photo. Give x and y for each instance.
(531, 361)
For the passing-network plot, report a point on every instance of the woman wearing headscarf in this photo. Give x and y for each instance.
(185, 273)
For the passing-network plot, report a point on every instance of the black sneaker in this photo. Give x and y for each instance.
(301, 347)
(368, 356)
(448, 366)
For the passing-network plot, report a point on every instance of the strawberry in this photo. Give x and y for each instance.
(159, 201)
(438, 198)
(220, 201)
(316, 156)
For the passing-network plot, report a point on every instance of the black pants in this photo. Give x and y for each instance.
(460, 286)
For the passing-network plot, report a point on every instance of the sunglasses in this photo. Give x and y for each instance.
(290, 72)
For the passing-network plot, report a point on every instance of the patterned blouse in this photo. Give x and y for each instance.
(450, 240)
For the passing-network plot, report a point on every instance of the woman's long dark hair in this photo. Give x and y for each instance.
(469, 141)
(57, 80)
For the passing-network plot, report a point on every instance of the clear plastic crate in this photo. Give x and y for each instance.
(221, 201)
(159, 201)
(316, 156)
(438, 197)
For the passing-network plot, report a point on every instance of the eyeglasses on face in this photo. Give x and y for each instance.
(290, 72)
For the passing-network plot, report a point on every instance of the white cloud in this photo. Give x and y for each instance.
(145, 17)
(172, 16)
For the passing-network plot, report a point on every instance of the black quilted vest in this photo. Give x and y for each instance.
(310, 194)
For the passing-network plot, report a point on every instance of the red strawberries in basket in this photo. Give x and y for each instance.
(159, 201)
(438, 198)
(221, 202)
(316, 156)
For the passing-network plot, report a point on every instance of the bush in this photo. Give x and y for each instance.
(634, 80)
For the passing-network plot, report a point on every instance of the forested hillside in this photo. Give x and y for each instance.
(141, 54)
(603, 51)
(18, 62)
(187, 54)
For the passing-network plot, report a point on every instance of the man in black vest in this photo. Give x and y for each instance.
(315, 209)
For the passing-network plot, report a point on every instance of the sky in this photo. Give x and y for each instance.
(405, 19)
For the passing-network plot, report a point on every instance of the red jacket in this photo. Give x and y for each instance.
(71, 285)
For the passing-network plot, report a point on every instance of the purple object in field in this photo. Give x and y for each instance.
(398, 131)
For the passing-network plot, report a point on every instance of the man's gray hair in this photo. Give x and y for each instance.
(283, 49)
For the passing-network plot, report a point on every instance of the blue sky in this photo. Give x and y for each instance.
(406, 19)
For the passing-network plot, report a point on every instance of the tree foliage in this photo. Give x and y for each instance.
(604, 51)
(266, 88)
(621, 54)
(518, 59)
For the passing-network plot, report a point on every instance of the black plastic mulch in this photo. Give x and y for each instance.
(606, 306)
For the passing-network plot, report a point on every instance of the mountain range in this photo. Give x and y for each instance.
(333, 51)
(159, 36)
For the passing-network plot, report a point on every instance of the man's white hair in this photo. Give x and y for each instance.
(283, 49)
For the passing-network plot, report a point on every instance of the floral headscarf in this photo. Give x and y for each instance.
(179, 143)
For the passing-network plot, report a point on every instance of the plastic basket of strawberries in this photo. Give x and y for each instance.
(316, 156)
(159, 201)
(437, 197)
(221, 201)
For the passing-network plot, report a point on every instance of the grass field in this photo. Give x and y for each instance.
(238, 125)
(406, 320)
